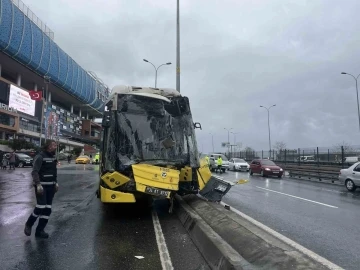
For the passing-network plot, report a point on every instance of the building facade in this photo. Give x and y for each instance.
(31, 60)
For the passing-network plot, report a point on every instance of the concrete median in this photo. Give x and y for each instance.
(228, 241)
(216, 251)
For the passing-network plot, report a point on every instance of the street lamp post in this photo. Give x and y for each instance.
(177, 46)
(156, 68)
(228, 141)
(44, 106)
(234, 136)
(357, 92)
(234, 133)
(268, 110)
(212, 141)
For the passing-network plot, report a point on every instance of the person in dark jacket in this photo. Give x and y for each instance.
(12, 160)
(44, 174)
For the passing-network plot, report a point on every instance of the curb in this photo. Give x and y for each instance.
(217, 252)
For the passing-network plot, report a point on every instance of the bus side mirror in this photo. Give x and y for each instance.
(106, 122)
(197, 125)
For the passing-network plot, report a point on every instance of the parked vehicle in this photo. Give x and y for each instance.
(21, 160)
(238, 164)
(265, 167)
(213, 162)
(306, 159)
(350, 177)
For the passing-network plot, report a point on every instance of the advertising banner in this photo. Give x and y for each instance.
(51, 125)
(21, 101)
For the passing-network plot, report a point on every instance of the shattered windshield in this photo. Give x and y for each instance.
(150, 130)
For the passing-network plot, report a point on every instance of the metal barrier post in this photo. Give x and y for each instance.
(342, 156)
(285, 155)
(317, 156)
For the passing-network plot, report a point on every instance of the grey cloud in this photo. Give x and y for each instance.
(235, 56)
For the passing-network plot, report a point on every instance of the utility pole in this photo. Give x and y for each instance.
(212, 141)
(177, 47)
(357, 92)
(234, 133)
(44, 106)
(268, 111)
(228, 141)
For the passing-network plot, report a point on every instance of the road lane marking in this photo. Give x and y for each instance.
(286, 240)
(324, 204)
(161, 243)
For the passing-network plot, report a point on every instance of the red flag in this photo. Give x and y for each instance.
(35, 95)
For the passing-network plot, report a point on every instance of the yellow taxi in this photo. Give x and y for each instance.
(82, 160)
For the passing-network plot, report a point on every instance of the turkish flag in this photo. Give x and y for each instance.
(35, 95)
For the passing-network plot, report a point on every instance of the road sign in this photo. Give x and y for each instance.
(225, 144)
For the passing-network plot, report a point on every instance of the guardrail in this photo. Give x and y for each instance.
(313, 171)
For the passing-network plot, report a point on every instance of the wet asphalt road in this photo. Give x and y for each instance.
(85, 234)
(326, 222)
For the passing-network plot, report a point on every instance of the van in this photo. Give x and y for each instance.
(351, 160)
(306, 159)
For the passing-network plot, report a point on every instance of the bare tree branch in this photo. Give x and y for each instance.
(279, 146)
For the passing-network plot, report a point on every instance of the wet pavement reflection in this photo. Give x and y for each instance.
(84, 233)
(317, 215)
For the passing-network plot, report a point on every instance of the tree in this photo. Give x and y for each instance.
(77, 150)
(347, 148)
(19, 144)
(279, 146)
(248, 149)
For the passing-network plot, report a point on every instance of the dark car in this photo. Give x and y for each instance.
(21, 160)
(30, 153)
(265, 167)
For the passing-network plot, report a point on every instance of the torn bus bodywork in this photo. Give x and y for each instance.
(148, 148)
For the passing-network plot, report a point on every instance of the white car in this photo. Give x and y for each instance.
(238, 164)
(213, 162)
(350, 177)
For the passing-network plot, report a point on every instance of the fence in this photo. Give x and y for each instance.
(316, 155)
(31, 15)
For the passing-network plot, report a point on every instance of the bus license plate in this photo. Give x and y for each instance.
(156, 191)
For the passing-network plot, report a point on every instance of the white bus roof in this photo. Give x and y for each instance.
(160, 93)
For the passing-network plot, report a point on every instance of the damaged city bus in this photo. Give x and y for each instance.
(148, 148)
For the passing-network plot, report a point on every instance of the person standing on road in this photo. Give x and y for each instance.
(44, 176)
(12, 160)
(219, 163)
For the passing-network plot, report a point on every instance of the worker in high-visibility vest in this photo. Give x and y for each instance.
(97, 158)
(207, 160)
(219, 163)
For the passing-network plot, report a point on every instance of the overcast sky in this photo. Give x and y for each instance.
(235, 56)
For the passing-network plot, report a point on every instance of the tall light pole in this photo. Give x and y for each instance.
(268, 110)
(177, 47)
(234, 136)
(212, 141)
(357, 92)
(228, 141)
(234, 133)
(44, 106)
(156, 68)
